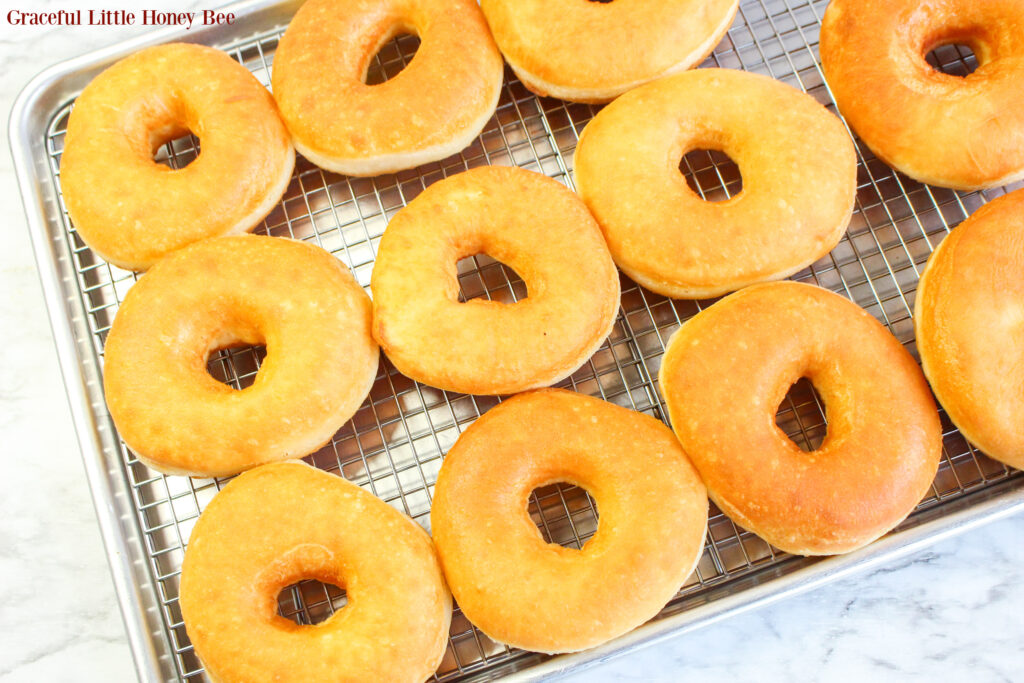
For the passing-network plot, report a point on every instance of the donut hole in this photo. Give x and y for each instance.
(953, 59)
(565, 514)
(711, 174)
(309, 602)
(801, 416)
(392, 57)
(174, 147)
(236, 365)
(483, 277)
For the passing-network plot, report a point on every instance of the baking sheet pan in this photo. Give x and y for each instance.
(395, 443)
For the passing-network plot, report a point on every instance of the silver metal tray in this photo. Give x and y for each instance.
(395, 443)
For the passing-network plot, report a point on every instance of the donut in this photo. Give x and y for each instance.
(799, 173)
(431, 110)
(540, 596)
(595, 50)
(726, 371)
(969, 316)
(532, 224)
(131, 210)
(961, 133)
(253, 540)
(295, 298)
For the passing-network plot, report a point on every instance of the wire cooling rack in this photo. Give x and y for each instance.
(394, 445)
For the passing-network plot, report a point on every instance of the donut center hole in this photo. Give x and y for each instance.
(953, 59)
(801, 416)
(483, 277)
(174, 146)
(392, 57)
(565, 514)
(711, 174)
(310, 602)
(236, 364)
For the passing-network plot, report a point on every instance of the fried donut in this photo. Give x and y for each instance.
(133, 211)
(593, 51)
(532, 224)
(799, 181)
(434, 108)
(962, 133)
(253, 540)
(969, 316)
(727, 370)
(539, 596)
(295, 298)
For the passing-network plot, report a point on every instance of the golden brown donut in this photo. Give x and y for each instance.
(434, 108)
(281, 523)
(595, 50)
(727, 370)
(133, 211)
(799, 173)
(969, 317)
(293, 297)
(525, 220)
(963, 133)
(538, 596)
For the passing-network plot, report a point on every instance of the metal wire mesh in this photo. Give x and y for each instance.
(394, 444)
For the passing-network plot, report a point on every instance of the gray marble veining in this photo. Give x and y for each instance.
(952, 612)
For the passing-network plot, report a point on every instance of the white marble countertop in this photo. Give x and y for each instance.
(951, 612)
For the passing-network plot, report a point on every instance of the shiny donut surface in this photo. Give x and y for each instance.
(525, 220)
(432, 109)
(294, 298)
(969, 317)
(131, 210)
(523, 591)
(284, 522)
(595, 50)
(940, 129)
(727, 370)
(797, 161)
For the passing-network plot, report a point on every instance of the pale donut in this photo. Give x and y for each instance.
(525, 592)
(133, 211)
(799, 173)
(532, 224)
(963, 133)
(969, 316)
(295, 298)
(284, 522)
(595, 50)
(434, 108)
(727, 370)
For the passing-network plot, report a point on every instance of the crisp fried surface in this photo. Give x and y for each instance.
(969, 316)
(532, 224)
(727, 370)
(589, 51)
(538, 596)
(799, 173)
(432, 109)
(133, 211)
(284, 522)
(293, 297)
(963, 133)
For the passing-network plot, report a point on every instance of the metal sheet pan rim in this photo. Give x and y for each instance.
(70, 362)
(111, 517)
